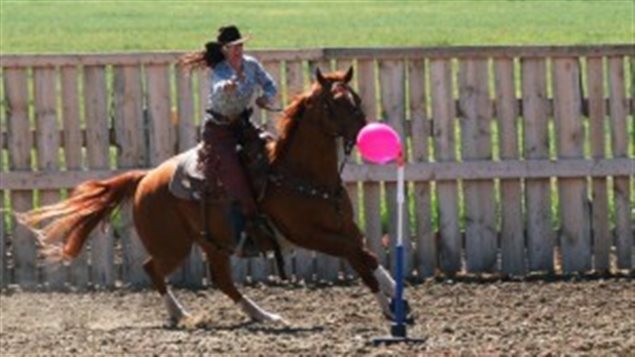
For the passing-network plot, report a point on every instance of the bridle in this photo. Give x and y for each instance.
(329, 103)
(282, 176)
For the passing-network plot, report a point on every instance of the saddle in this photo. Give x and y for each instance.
(188, 181)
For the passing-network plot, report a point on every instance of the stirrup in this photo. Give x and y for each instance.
(246, 248)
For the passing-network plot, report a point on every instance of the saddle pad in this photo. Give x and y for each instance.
(187, 178)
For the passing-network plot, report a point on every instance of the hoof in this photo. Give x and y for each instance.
(178, 320)
(273, 318)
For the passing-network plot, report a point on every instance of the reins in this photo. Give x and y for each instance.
(282, 176)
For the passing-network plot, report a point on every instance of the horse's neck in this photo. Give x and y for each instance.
(312, 154)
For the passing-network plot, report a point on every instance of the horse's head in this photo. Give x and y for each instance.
(343, 115)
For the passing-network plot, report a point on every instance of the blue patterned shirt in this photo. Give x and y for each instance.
(232, 103)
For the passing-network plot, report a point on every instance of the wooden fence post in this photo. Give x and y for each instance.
(78, 269)
(600, 208)
(98, 150)
(47, 143)
(540, 240)
(425, 259)
(619, 139)
(131, 153)
(480, 205)
(20, 142)
(512, 234)
(443, 114)
(574, 207)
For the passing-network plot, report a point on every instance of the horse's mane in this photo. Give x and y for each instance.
(287, 122)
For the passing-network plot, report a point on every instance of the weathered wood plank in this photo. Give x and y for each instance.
(133, 59)
(480, 206)
(478, 51)
(4, 269)
(512, 225)
(4, 234)
(72, 142)
(259, 115)
(620, 143)
(444, 143)
(392, 80)
(600, 209)
(574, 209)
(371, 190)
(337, 53)
(131, 153)
(540, 236)
(432, 171)
(97, 149)
(20, 143)
(161, 129)
(45, 100)
(425, 257)
(193, 267)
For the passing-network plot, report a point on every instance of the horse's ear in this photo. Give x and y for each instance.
(349, 75)
(320, 78)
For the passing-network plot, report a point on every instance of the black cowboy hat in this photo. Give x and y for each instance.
(229, 36)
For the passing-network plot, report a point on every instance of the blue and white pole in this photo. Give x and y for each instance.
(379, 143)
(399, 328)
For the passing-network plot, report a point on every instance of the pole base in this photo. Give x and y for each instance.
(391, 340)
(398, 334)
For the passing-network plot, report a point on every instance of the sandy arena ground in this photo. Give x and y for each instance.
(589, 317)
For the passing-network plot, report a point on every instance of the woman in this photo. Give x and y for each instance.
(234, 81)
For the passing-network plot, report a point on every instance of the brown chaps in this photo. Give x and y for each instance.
(222, 165)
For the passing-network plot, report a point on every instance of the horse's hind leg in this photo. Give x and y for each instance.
(176, 312)
(220, 270)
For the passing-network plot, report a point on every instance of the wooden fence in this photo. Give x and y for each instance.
(520, 159)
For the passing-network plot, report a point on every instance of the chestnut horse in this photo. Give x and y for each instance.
(305, 152)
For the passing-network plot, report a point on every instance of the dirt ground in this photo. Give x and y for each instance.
(589, 317)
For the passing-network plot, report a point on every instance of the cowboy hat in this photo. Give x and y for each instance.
(230, 36)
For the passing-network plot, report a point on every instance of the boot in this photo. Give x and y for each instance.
(259, 233)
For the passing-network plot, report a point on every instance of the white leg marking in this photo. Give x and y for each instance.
(384, 304)
(257, 313)
(386, 282)
(175, 310)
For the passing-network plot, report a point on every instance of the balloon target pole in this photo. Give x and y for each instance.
(398, 330)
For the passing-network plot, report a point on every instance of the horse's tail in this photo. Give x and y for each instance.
(74, 218)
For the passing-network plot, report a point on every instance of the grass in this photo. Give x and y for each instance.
(45, 26)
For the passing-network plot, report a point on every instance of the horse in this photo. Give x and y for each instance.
(304, 158)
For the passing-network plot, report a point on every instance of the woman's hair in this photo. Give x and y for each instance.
(209, 57)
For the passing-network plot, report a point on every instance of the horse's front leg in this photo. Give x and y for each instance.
(220, 270)
(376, 277)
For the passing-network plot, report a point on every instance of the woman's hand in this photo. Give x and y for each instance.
(230, 85)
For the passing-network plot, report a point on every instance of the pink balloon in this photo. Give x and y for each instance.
(379, 143)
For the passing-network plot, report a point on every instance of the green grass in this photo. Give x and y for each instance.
(110, 26)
